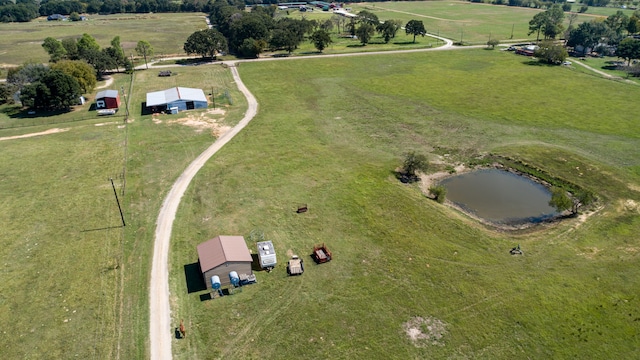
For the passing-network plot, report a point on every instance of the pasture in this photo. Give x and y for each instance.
(472, 23)
(74, 280)
(21, 42)
(330, 132)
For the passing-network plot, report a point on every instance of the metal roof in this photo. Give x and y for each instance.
(177, 93)
(107, 93)
(221, 249)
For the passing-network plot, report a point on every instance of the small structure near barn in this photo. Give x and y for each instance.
(266, 255)
(177, 97)
(56, 17)
(222, 256)
(321, 254)
(108, 100)
(295, 266)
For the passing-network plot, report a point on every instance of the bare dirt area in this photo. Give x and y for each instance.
(201, 122)
(47, 132)
(425, 331)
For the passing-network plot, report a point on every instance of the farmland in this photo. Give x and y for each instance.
(329, 134)
(332, 140)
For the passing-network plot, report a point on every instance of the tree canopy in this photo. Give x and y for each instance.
(54, 91)
(415, 27)
(144, 49)
(206, 43)
(320, 39)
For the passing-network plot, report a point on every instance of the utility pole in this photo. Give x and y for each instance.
(512, 26)
(117, 201)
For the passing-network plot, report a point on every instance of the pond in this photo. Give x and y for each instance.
(500, 197)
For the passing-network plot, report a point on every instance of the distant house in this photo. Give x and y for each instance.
(56, 17)
(222, 255)
(107, 99)
(177, 98)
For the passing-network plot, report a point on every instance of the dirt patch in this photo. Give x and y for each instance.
(202, 122)
(630, 206)
(425, 331)
(50, 131)
(590, 252)
(428, 180)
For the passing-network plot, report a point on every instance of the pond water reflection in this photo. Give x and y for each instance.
(500, 197)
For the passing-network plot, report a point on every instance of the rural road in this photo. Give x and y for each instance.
(160, 326)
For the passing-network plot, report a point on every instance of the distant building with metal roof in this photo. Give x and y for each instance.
(179, 98)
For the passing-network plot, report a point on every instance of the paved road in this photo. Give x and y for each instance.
(161, 329)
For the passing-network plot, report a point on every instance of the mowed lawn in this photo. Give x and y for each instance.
(329, 134)
(22, 42)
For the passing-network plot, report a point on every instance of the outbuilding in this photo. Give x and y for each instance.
(107, 99)
(222, 255)
(181, 98)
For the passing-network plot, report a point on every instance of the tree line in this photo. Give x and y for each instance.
(615, 35)
(27, 10)
(248, 34)
(75, 65)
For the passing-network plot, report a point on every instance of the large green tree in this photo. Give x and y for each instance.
(389, 29)
(415, 27)
(206, 43)
(628, 49)
(144, 49)
(365, 32)
(320, 39)
(588, 35)
(283, 39)
(549, 22)
(368, 17)
(54, 91)
(551, 53)
(84, 73)
(55, 49)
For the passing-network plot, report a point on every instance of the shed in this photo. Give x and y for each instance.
(56, 17)
(107, 99)
(222, 255)
(180, 97)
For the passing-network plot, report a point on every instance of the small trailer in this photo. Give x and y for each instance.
(295, 266)
(266, 255)
(321, 254)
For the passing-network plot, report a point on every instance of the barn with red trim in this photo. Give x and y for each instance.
(107, 100)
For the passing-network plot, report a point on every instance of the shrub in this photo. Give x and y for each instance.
(438, 192)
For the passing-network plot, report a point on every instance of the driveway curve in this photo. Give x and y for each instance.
(160, 327)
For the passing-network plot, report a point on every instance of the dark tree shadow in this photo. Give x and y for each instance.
(405, 178)
(404, 43)
(194, 279)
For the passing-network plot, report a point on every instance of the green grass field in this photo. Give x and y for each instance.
(21, 42)
(473, 23)
(330, 132)
(74, 281)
